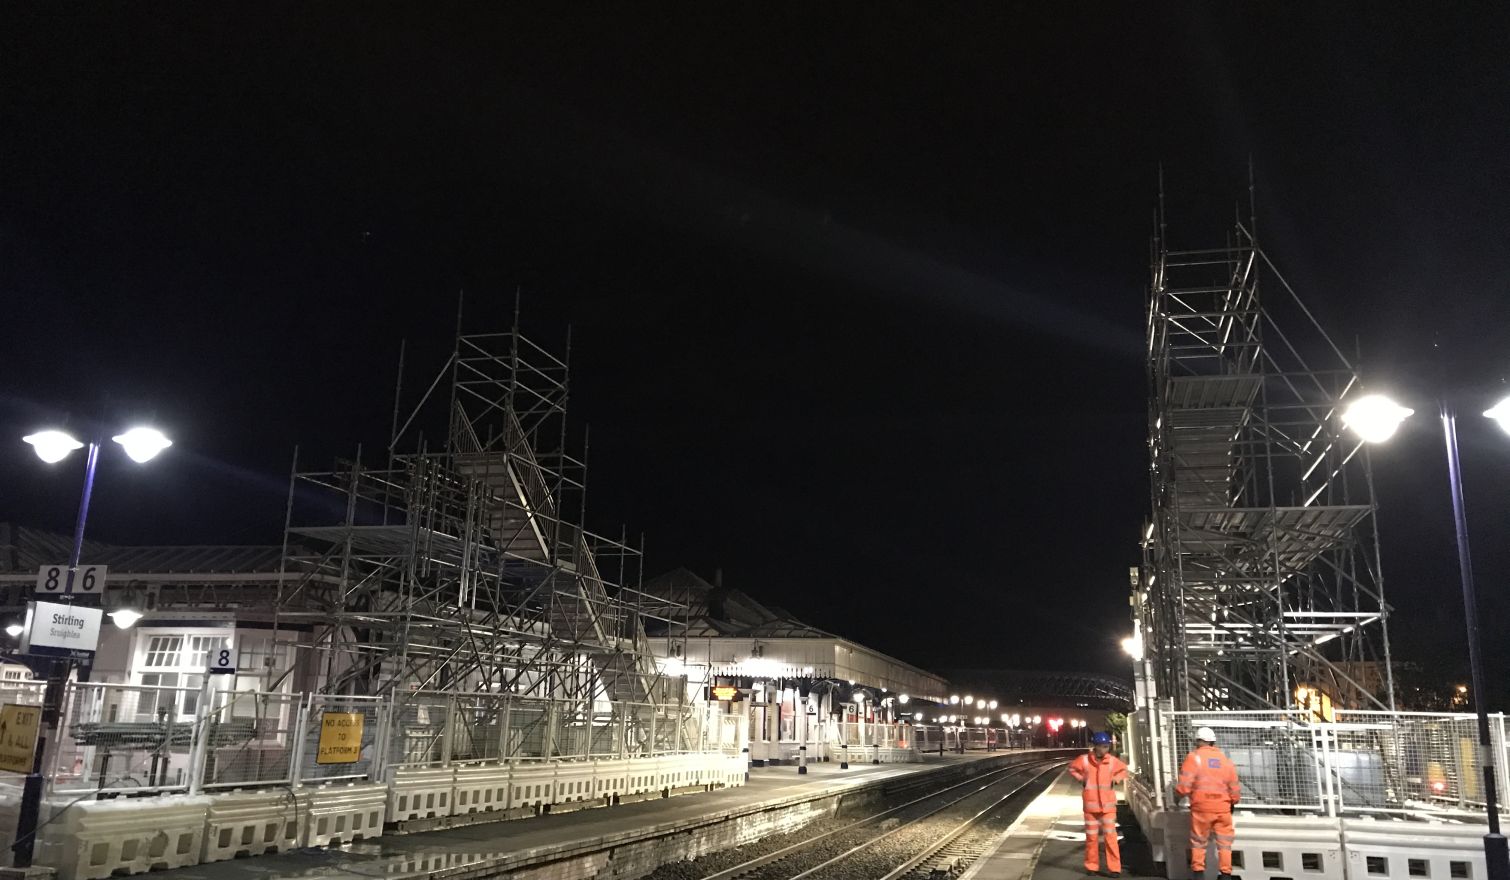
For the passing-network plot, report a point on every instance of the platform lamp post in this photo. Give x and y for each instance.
(1375, 418)
(141, 445)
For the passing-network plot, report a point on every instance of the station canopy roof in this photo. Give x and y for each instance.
(699, 609)
(24, 550)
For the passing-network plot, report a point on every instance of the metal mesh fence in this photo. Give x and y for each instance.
(1275, 757)
(1361, 762)
(338, 738)
(251, 739)
(125, 738)
(121, 739)
(419, 731)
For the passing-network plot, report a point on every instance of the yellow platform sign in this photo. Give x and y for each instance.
(18, 737)
(340, 738)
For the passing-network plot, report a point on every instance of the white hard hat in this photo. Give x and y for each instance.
(1206, 734)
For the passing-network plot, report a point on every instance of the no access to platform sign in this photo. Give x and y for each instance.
(340, 738)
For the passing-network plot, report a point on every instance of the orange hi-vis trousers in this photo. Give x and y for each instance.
(1204, 826)
(1101, 826)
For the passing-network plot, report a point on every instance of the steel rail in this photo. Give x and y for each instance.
(744, 868)
(933, 849)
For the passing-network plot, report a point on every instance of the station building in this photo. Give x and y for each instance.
(797, 685)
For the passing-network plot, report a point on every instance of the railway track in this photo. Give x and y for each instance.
(943, 830)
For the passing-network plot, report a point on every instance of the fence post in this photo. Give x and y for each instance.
(199, 749)
(448, 732)
(587, 729)
(548, 742)
(1501, 752)
(296, 759)
(623, 736)
(383, 737)
(506, 748)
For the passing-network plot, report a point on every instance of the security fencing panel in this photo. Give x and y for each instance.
(421, 720)
(251, 739)
(127, 739)
(639, 734)
(574, 736)
(608, 726)
(339, 738)
(1407, 761)
(1423, 764)
(667, 730)
(727, 735)
(1278, 759)
(478, 722)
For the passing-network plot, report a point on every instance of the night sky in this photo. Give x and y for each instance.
(855, 297)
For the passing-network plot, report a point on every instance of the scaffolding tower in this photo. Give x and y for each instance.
(464, 565)
(1260, 582)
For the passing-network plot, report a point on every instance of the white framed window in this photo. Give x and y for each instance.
(173, 660)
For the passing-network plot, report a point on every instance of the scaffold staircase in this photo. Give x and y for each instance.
(1253, 537)
(524, 523)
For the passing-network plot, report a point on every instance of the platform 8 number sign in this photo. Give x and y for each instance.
(223, 658)
(340, 738)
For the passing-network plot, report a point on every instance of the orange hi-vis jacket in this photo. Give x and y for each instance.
(1210, 781)
(1099, 777)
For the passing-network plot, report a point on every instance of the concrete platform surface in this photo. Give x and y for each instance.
(1047, 842)
(475, 847)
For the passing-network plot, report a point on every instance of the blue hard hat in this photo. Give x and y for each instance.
(1101, 738)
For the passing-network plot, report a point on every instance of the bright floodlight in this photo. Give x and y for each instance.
(125, 618)
(15, 629)
(954, 700)
(1133, 646)
(992, 704)
(143, 444)
(1374, 417)
(903, 698)
(1501, 413)
(52, 446)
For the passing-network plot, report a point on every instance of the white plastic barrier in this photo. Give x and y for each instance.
(94, 839)
(252, 823)
(342, 814)
(423, 793)
(480, 788)
(609, 779)
(1383, 848)
(573, 783)
(532, 785)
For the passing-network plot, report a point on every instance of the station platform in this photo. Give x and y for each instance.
(1047, 842)
(493, 848)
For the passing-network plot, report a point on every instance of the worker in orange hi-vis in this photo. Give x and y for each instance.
(1098, 771)
(1210, 781)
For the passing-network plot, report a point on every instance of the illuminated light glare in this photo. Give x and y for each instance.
(1500, 413)
(903, 698)
(1374, 417)
(14, 630)
(954, 700)
(1132, 646)
(52, 446)
(125, 618)
(760, 667)
(143, 444)
(993, 704)
(969, 701)
(673, 666)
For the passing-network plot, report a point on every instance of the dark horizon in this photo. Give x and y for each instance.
(855, 301)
